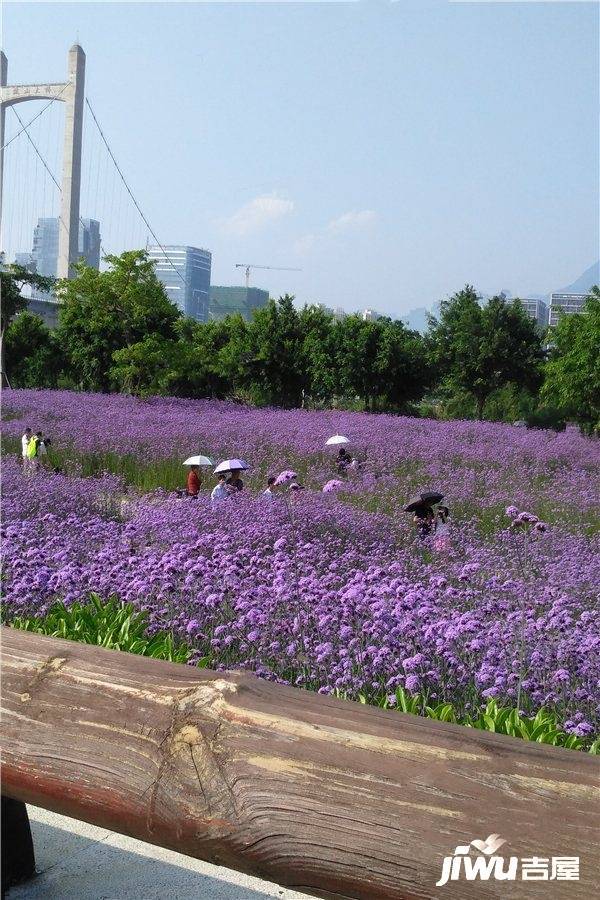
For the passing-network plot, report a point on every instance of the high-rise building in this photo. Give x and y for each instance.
(537, 309)
(26, 260)
(567, 303)
(227, 301)
(370, 315)
(45, 245)
(338, 313)
(185, 274)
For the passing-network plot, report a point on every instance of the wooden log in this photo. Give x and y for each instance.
(329, 797)
(18, 860)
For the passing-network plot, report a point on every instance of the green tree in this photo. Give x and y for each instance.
(159, 365)
(358, 349)
(479, 349)
(403, 369)
(103, 312)
(572, 373)
(274, 365)
(319, 351)
(33, 355)
(13, 279)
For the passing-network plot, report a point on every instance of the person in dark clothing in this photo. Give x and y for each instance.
(343, 460)
(234, 480)
(424, 519)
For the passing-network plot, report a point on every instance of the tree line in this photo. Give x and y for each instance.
(118, 331)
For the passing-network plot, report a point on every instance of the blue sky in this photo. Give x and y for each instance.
(392, 151)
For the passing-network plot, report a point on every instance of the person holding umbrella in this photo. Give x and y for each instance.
(234, 481)
(193, 480)
(424, 519)
(344, 460)
(422, 509)
(232, 469)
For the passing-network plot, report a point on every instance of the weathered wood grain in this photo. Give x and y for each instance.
(330, 797)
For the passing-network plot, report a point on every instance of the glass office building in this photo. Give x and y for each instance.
(565, 303)
(185, 273)
(45, 245)
(537, 309)
(228, 301)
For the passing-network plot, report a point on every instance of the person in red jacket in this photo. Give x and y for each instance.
(193, 481)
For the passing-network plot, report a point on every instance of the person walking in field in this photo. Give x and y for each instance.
(33, 453)
(193, 481)
(424, 519)
(234, 481)
(343, 460)
(221, 490)
(25, 442)
(442, 529)
(269, 493)
(43, 445)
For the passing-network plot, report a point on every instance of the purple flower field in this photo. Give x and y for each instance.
(331, 591)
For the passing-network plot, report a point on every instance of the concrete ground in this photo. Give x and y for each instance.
(77, 861)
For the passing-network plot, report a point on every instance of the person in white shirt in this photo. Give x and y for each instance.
(269, 494)
(221, 491)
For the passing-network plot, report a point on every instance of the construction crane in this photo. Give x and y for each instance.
(248, 266)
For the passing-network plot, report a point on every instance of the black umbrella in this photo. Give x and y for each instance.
(431, 496)
(424, 500)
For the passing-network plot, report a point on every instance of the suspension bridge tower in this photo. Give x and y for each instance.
(71, 93)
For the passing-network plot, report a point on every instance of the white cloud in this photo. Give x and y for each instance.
(351, 220)
(347, 222)
(257, 214)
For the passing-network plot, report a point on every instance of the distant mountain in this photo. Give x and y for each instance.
(583, 284)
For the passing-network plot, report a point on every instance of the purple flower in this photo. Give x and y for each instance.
(329, 594)
(528, 517)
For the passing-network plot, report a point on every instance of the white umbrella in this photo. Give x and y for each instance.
(229, 465)
(198, 461)
(336, 439)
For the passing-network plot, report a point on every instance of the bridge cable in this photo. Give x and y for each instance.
(129, 191)
(49, 170)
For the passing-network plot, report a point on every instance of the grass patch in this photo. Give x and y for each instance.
(109, 624)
